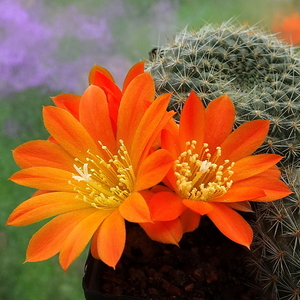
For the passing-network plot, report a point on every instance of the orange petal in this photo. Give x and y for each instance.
(47, 242)
(106, 83)
(136, 70)
(237, 194)
(153, 169)
(109, 241)
(151, 124)
(199, 207)
(43, 154)
(253, 165)
(44, 206)
(135, 209)
(219, 119)
(133, 106)
(168, 232)
(189, 220)
(166, 206)
(44, 178)
(271, 172)
(169, 141)
(69, 132)
(68, 102)
(242, 206)
(244, 140)
(79, 236)
(274, 188)
(192, 122)
(231, 224)
(98, 69)
(112, 92)
(94, 115)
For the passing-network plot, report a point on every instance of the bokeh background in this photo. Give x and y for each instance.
(47, 48)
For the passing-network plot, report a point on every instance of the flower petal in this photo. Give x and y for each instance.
(44, 178)
(199, 207)
(94, 115)
(192, 122)
(149, 128)
(133, 105)
(44, 206)
(165, 206)
(69, 102)
(219, 119)
(104, 80)
(98, 69)
(79, 237)
(274, 188)
(47, 242)
(231, 224)
(190, 220)
(242, 206)
(69, 133)
(244, 140)
(43, 154)
(274, 171)
(237, 194)
(153, 169)
(168, 232)
(136, 70)
(135, 209)
(169, 140)
(109, 240)
(253, 165)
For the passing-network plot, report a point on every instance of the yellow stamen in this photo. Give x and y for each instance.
(108, 182)
(199, 176)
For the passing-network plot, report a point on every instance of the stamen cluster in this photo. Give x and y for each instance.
(107, 182)
(201, 177)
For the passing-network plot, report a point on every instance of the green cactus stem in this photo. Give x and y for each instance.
(276, 258)
(259, 73)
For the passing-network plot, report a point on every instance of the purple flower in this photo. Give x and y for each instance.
(56, 46)
(24, 42)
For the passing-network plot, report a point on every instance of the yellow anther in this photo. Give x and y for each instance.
(107, 183)
(199, 177)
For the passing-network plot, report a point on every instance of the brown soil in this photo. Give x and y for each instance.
(206, 266)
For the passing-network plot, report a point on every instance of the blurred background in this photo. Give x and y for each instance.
(47, 48)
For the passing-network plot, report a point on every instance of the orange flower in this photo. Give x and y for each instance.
(288, 27)
(214, 172)
(91, 178)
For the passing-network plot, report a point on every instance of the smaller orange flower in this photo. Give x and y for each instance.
(214, 172)
(287, 27)
(92, 176)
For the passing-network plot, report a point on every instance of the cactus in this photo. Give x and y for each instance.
(261, 75)
(277, 242)
(258, 72)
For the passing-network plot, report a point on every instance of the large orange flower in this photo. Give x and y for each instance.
(214, 172)
(91, 173)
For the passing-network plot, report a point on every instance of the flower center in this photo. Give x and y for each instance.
(199, 177)
(107, 182)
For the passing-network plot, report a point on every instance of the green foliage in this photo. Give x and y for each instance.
(21, 121)
(262, 77)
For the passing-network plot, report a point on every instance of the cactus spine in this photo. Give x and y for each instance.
(262, 76)
(258, 72)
